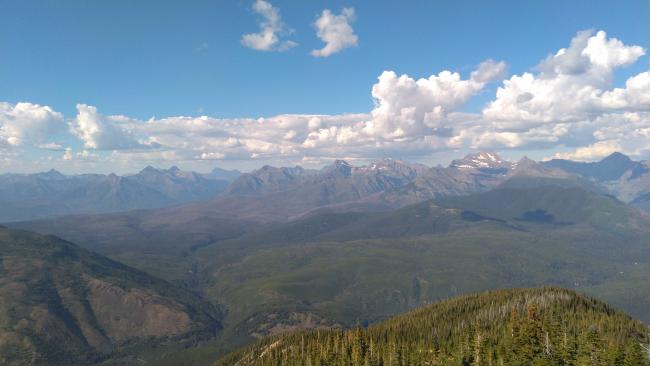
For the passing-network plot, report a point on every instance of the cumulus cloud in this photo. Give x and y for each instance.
(408, 107)
(28, 124)
(100, 132)
(272, 28)
(569, 102)
(409, 114)
(571, 85)
(336, 31)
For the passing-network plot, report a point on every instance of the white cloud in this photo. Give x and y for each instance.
(635, 95)
(28, 124)
(100, 132)
(406, 107)
(335, 31)
(571, 85)
(271, 29)
(594, 151)
(569, 102)
(414, 116)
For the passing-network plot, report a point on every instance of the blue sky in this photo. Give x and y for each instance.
(145, 59)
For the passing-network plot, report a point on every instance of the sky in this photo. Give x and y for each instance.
(113, 86)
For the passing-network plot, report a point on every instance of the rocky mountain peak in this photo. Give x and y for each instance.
(149, 170)
(339, 167)
(393, 167)
(51, 175)
(481, 160)
(618, 158)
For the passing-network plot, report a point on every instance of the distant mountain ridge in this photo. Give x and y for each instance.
(264, 194)
(273, 194)
(621, 176)
(610, 168)
(389, 183)
(49, 194)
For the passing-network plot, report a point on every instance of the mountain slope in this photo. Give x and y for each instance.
(610, 168)
(62, 305)
(543, 326)
(501, 208)
(623, 177)
(550, 204)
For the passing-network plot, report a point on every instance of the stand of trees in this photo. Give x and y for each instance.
(537, 327)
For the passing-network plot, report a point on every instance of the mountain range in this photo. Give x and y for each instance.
(51, 194)
(285, 249)
(264, 194)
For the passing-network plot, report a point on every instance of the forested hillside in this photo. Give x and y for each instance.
(544, 326)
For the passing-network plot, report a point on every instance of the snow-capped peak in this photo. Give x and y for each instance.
(481, 160)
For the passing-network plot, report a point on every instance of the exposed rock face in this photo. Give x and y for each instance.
(134, 313)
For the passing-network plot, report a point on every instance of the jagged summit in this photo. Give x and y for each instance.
(51, 174)
(525, 162)
(149, 170)
(341, 167)
(481, 160)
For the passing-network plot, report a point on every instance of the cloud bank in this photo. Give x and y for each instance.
(568, 103)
